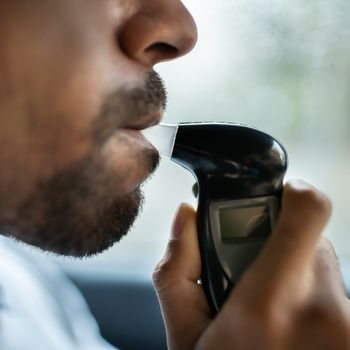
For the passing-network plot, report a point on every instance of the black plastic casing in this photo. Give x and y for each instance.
(229, 161)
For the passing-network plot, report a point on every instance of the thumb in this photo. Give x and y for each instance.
(181, 261)
(182, 300)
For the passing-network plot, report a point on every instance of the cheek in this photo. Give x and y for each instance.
(70, 100)
(65, 77)
(66, 105)
(60, 77)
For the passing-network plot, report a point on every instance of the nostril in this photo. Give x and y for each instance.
(163, 49)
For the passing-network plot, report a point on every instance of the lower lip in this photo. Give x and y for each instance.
(134, 133)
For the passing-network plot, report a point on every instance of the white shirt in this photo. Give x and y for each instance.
(40, 308)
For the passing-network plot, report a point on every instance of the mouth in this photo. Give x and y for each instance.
(136, 109)
(146, 121)
(137, 135)
(130, 157)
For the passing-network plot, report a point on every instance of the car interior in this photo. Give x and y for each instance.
(127, 310)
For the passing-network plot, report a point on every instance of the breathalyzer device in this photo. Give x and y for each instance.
(239, 172)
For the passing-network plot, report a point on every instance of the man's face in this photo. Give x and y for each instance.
(76, 83)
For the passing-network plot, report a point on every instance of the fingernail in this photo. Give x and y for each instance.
(179, 221)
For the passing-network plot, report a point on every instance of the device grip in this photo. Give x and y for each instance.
(215, 284)
(227, 251)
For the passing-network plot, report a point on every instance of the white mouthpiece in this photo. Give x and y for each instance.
(162, 137)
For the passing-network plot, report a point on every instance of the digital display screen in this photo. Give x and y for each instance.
(244, 222)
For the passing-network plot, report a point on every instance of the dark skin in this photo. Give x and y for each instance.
(77, 83)
(291, 297)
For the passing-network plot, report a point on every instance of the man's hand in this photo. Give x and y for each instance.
(292, 297)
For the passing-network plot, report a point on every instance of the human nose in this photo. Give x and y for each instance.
(159, 30)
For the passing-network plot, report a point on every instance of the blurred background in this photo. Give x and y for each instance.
(280, 65)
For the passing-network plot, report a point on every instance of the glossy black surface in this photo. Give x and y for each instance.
(229, 161)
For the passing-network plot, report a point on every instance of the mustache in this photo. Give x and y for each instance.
(128, 105)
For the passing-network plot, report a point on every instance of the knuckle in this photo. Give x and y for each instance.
(165, 271)
(163, 274)
(160, 273)
(317, 200)
(323, 314)
(306, 198)
(326, 254)
(324, 317)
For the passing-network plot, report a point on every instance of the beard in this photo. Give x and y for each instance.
(76, 213)
(79, 211)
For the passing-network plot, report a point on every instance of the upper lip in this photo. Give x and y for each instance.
(146, 121)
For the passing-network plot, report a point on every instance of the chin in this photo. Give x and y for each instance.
(82, 210)
(81, 231)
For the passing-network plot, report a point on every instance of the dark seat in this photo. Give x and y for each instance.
(126, 309)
